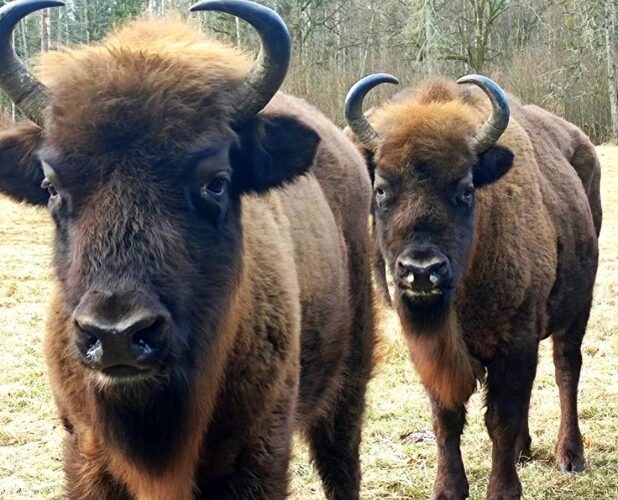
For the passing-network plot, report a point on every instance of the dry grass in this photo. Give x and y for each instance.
(30, 436)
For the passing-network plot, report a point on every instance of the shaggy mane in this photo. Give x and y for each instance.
(153, 86)
(433, 125)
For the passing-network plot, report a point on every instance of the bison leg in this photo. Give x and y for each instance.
(509, 384)
(448, 424)
(334, 438)
(568, 362)
(334, 441)
(260, 467)
(524, 441)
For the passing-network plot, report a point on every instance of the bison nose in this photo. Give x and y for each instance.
(428, 273)
(119, 334)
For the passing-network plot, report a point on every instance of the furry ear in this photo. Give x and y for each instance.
(20, 170)
(272, 151)
(367, 155)
(492, 165)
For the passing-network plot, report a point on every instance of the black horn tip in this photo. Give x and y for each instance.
(358, 91)
(491, 88)
(13, 12)
(22, 8)
(272, 64)
(255, 14)
(252, 12)
(241, 8)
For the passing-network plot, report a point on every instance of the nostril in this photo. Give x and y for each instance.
(89, 345)
(404, 266)
(89, 340)
(148, 339)
(443, 270)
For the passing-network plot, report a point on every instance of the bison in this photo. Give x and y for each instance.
(489, 228)
(212, 279)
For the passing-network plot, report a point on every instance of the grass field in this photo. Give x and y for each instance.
(393, 467)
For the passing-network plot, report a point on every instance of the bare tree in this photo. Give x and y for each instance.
(610, 33)
(44, 30)
(474, 29)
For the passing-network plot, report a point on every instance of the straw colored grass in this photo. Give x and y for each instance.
(393, 468)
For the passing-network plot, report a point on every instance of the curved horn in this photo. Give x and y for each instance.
(361, 127)
(21, 86)
(271, 66)
(496, 124)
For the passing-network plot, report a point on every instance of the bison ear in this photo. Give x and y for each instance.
(492, 165)
(368, 155)
(271, 152)
(20, 170)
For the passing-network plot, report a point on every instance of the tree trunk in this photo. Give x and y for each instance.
(610, 27)
(430, 36)
(238, 42)
(45, 30)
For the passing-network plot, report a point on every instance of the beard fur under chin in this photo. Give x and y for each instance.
(442, 360)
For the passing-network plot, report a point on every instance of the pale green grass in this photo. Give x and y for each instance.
(30, 435)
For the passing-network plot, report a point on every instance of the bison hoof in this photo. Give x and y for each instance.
(572, 465)
(570, 459)
(450, 494)
(455, 489)
(504, 490)
(504, 496)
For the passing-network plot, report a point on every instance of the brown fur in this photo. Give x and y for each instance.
(528, 245)
(291, 302)
(444, 363)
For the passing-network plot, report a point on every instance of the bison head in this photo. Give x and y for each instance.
(142, 148)
(430, 159)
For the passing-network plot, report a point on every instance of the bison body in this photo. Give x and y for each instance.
(212, 288)
(491, 250)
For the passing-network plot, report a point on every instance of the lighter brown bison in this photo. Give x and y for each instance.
(212, 287)
(489, 228)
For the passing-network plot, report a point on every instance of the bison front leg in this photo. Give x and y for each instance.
(335, 440)
(259, 469)
(509, 384)
(451, 482)
(568, 362)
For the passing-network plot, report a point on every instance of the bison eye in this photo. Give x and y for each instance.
(466, 197)
(216, 187)
(46, 184)
(381, 194)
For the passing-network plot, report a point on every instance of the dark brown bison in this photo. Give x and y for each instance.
(489, 228)
(212, 283)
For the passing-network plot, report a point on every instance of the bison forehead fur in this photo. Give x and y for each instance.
(153, 87)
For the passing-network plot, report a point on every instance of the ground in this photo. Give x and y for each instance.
(393, 466)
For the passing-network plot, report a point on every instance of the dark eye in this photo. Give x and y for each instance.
(467, 196)
(46, 184)
(381, 193)
(216, 187)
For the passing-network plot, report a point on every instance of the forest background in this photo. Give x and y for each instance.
(559, 54)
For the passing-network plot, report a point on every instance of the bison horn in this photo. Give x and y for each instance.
(271, 66)
(357, 121)
(19, 84)
(496, 124)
